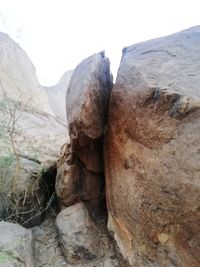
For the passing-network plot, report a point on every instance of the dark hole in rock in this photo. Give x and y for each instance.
(49, 178)
(47, 198)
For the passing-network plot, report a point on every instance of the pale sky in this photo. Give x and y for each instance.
(58, 34)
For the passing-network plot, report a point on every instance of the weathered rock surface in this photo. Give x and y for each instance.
(47, 252)
(80, 168)
(87, 100)
(81, 239)
(152, 152)
(74, 182)
(15, 246)
(23, 192)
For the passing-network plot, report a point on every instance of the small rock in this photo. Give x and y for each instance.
(78, 235)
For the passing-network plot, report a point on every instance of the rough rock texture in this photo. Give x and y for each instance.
(74, 182)
(87, 100)
(80, 168)
(47, 252)
(152, 152)
(23, 192)
(15, 246)
(81, 239)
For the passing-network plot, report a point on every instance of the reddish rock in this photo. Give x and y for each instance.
(74, 182)
(80, 167)
(153, 152)
(87, 100)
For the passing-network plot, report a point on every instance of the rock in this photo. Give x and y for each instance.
(47, 252)
(23, 192)
(87, 100)
(44, 239)
(152, 152)
(15, 246)
(80, 167)
(79, 237)
(26, 118)
(29, 132)
(74, 182)
(18, 78)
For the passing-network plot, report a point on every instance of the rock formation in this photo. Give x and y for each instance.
(18, 80)
(80, 171)
(152, 152)
(134, 146)
(82, 242)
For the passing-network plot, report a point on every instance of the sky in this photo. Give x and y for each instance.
(58, 34)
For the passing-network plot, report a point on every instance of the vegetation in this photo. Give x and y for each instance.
(19, 201)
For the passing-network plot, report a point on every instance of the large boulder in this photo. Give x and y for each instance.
(15, 246)
(87, 100)
(80, 168)
(152, 152)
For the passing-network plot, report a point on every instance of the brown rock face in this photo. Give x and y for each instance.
(74, 182)
(80, 168)
(87, 100)
(152, 157)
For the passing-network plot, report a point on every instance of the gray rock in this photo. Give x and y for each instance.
(48, 253)
(18, 78)
(79, 237)
(22, 192)
(57, 95)
(15, 246)
(152, 152)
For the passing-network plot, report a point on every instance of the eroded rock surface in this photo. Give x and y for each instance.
(152, 152)
(81, 239)
(87, 100)
(15, 246)
(22, 192)
(47, 252)
(80, 167)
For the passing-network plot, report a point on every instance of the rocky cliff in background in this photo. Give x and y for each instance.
(18, 79)
(57, 96)
(30, 137)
